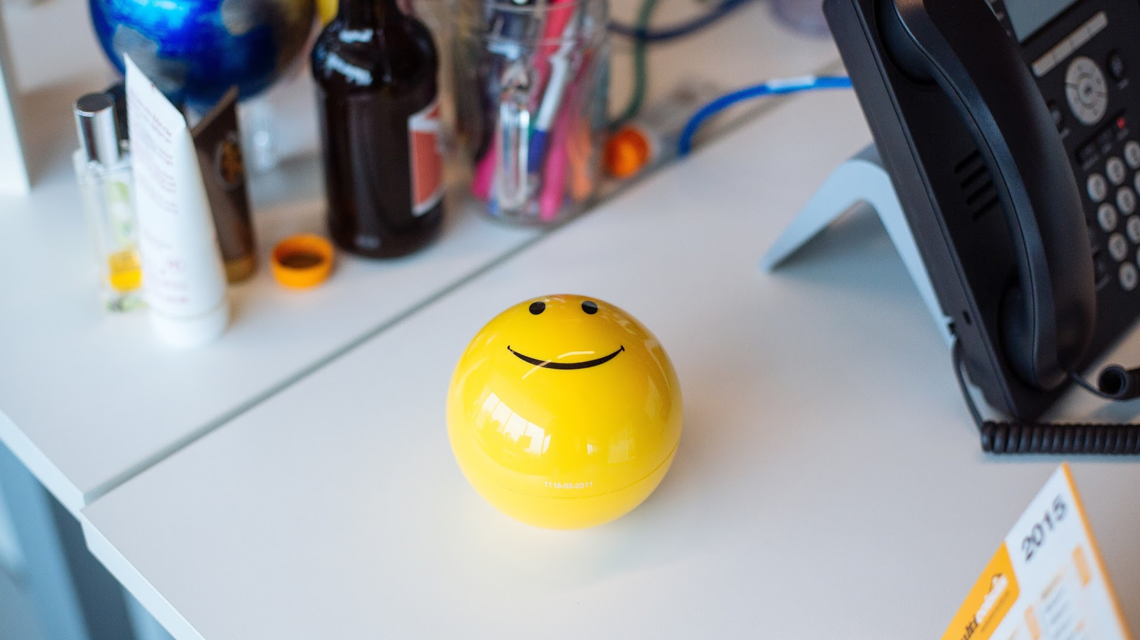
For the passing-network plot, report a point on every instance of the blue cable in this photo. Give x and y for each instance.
(772, 87)
(683, 29)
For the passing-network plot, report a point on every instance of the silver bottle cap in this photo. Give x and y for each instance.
(98, 129)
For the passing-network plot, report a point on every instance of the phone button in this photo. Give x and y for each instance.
(1132, 154)
(1105, 139)
(1129, 277)
(1132, 226)
(1086, 90)
(1106, 217)
(1097, 187)
(1116, 66)
(1126, 200)
(1115, 170)
(1117, 247)
(1086, 154)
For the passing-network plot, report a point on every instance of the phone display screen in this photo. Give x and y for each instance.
(1027, 16)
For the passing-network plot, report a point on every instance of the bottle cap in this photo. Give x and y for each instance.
(627, 152)
(118, 93)
(194, 331)
(302, 261)
(98, 128)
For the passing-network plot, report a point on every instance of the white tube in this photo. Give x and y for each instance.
(183, 276)
(13, 169)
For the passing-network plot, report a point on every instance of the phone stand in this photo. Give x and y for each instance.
(861, 180)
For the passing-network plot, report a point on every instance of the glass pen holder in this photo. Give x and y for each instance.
(532, 85)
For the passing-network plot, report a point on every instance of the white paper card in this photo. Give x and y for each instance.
(1047, 581)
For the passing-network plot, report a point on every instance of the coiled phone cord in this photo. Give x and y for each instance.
(1037, 437)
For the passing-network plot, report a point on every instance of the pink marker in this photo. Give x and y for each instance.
(484, 175)
(554, 174)
(557, 17)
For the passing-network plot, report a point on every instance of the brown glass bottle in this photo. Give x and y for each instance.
(376, 75)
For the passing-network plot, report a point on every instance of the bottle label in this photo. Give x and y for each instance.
(426, 158)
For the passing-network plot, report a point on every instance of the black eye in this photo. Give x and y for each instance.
(590, 307)
(537, 307)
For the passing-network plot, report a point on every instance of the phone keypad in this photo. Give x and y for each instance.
(1109, 188)
(1110, 159)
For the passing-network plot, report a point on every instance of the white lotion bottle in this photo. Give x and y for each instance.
(184, 279)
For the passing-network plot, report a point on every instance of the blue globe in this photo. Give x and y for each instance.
(195, 50)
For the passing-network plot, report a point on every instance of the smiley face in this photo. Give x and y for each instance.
(589, 307)
(559, 397)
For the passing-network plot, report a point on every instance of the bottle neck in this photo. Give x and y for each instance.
(367, 14)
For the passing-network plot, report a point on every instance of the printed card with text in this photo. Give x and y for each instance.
(1047, 582)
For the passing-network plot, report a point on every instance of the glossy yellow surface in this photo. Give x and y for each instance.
(565, 418)
(326, 10)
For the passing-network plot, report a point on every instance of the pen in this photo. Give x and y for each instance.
(579, 152)
(560, 73)
(554, 173)
(557, 18)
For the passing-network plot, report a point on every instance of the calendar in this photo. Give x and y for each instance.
(1046, 581)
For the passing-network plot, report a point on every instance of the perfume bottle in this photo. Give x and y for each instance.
(103, 169)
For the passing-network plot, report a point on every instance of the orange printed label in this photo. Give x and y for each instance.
(988, 602)
(1032, 623)
(426, 160)
(1082, 563)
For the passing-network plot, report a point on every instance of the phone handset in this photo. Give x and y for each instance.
(1049, 313)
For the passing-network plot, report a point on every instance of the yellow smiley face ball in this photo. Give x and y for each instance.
(564, 412)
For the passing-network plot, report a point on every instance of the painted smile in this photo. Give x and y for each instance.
(566, 365)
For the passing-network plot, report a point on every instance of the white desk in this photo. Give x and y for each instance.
(88, 400)
(829, 483)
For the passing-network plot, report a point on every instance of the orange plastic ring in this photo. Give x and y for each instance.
(302, 261)
(626, 152)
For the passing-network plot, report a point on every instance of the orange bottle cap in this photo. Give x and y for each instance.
(302, 261)
(627, 152)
